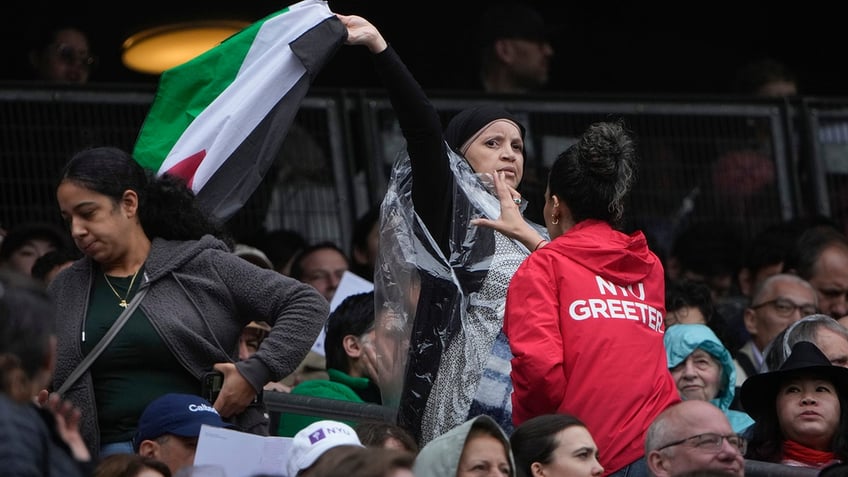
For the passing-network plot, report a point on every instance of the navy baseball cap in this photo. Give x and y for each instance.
(177, 414)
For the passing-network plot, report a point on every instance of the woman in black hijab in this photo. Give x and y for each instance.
(443, 277)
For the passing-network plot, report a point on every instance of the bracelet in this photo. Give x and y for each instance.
(539, 244)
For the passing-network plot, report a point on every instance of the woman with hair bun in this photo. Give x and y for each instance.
(584, 313)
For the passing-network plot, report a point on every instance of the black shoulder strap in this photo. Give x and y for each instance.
(101, 345)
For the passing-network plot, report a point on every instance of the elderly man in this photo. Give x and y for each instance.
(778, 301)
(693, 436)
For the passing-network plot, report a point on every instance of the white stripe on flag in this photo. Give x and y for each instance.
(267, 74)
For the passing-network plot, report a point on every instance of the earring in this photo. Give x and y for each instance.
(554, 218)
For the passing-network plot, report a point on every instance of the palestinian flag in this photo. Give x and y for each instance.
(219, 120)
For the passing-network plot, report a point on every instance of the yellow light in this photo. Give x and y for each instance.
(157, 49)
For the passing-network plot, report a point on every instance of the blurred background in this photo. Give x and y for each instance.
(616, 47)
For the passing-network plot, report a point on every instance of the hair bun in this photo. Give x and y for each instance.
(604, 149)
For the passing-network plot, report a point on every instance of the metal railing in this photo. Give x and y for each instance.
(745, 162)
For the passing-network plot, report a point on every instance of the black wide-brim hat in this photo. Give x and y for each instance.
(759, 392)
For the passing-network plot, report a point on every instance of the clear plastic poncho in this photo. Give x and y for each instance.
(427, 303)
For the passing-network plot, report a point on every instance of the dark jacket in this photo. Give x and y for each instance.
(31, 445)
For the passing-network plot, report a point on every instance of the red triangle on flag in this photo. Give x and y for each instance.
(188, 167)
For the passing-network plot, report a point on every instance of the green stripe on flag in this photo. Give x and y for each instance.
(184, 91)
(219, 120)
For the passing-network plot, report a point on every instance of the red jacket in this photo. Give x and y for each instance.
(584, 318)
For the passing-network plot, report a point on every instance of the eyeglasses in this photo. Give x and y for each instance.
(70, 56)
(711, 442)
(785, 307)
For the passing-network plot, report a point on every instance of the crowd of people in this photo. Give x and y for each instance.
(507, 347)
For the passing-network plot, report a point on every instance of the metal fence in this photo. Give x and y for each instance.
(743, 163)
(41, 129)
(827, 136)
(308, 188)
(701, 160)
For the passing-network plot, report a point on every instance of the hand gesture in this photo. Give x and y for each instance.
(377, 366)
(383, 357)
(511, 222)
(67, 423)
(236, 392)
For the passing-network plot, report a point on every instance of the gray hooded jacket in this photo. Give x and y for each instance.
(440, 457)
(200, 297)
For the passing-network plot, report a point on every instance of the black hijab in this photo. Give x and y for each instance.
(469, 121)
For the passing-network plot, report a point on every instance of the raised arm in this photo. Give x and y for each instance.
(432, 180)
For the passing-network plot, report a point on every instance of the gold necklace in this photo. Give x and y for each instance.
(123, 303)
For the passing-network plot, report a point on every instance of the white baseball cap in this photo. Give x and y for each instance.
(315, 439)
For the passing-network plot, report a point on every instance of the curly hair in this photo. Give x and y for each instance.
(594, 176)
